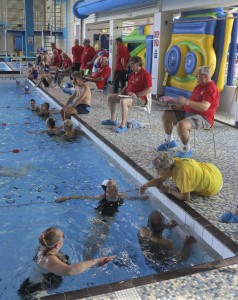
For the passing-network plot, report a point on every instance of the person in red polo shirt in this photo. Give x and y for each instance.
(66, 69)
(77, 52)
(122, 59)
(99, 79)
(197, 112)
(53, 46)
(55, 61)
(88, 57)
(139, 86)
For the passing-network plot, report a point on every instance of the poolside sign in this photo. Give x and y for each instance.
(30, 40)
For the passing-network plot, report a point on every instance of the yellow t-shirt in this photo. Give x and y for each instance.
(192, 176)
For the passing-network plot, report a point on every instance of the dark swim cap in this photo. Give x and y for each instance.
(156, 222)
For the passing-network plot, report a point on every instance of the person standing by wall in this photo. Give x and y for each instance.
(88, 57)
(122, 60)
(77, 52)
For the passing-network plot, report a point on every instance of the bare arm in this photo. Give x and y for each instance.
(71, 98)
(78, 197)
(155, 182)
(54, 265)
(127, 197)
(199, 106)
(145, 92)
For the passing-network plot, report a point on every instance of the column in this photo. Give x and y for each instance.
(115, 30)
(162, 37)
(29, 28)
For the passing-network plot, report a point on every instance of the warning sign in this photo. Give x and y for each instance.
(30, 40)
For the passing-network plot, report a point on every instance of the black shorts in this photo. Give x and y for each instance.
(83, 109)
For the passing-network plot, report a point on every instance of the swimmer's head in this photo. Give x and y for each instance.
(52, 238)
(45, 106)
(50, 122)
(111, 189)
(156, 222)
(27, 89)
(32, 103)
(68, 125)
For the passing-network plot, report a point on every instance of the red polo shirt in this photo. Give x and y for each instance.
(77, 52)
(87, 56)
(139, 82)
(103, 72)
(67, 62)
(122, 52)
(56, 60)
(210, 93)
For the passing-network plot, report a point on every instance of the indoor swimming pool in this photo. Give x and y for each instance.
(55, 168)
(5, 69)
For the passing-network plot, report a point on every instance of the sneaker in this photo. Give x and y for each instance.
(167, 146)
(109, 122)
(121, 129)
(183, 154)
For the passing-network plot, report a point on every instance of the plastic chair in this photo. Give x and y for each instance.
(211, 129)
(146, 107)
(101, 92)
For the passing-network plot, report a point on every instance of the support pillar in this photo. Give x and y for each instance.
(29, 28)
(161, 40)
(115, 30)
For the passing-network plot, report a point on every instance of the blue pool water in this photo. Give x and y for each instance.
(4, 66)
(59, 168)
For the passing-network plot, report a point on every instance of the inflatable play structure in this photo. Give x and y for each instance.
(199, 38)
(142, 43)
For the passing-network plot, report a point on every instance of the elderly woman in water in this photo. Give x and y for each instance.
(188, 175)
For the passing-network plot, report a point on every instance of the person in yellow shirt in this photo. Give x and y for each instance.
(188, 175)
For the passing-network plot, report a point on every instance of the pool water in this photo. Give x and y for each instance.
(59, 168)
(4, 67)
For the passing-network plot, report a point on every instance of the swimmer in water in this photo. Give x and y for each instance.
(109, 201)
(56, 263)
(151, 237)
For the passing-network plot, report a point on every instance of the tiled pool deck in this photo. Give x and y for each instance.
(217, 280)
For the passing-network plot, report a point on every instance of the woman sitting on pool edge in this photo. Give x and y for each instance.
(109, 201)
(52, 260)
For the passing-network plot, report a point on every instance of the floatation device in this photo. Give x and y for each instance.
(68, 88)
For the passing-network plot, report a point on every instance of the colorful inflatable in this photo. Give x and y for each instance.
(198, 39)
(144, 50)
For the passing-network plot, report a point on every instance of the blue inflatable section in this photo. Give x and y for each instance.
(175, 92)
(195, 27)
(190, 62)
(172, 60)
(232, 52)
